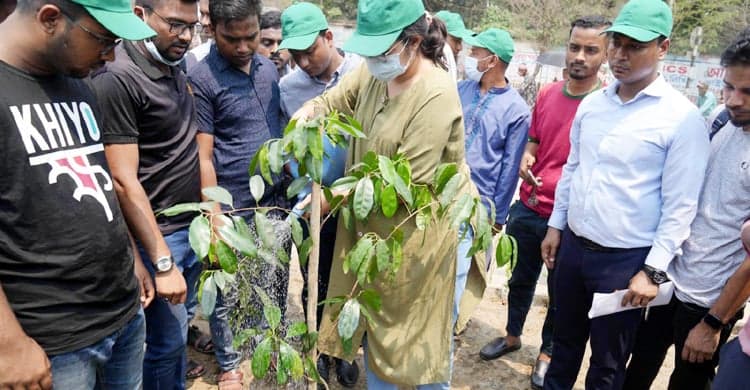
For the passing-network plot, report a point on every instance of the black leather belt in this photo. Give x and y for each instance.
(594, 247)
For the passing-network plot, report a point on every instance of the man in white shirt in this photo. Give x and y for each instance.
(625, 201)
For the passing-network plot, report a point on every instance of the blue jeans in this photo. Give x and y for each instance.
(112, 363)
(165, 361)
(375, 383)
(733, 368)
(222, 336)
(462, 266)
(529, 229)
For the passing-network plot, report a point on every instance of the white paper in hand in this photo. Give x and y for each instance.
(609, 303)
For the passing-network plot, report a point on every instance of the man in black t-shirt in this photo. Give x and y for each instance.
(69, 311)
(150, 144)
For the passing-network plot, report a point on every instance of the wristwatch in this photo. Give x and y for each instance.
(163, 264)
(656, 276)
(713, 321)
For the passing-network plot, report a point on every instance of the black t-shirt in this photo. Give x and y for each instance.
(65, 261)
(154, 109)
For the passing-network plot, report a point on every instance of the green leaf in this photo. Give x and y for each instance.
(333, 301)
(312, 369)
(227, 258)
(309, 341)
(239, 238)
(423, 197)
(347, 128)
(297, 235)
(389, 201)
(252, 169)
(383, 255)
(443, 174)
(241, 338)
(199, 236)
(180, 208)
(208, 296)
(370, 159)
(346, 217)
(397, 255)
(365, 264)
(349, 319)
(450, 190)
(366, 313)
(261, 360)
(504, 250)
(404, 171)
(281, 375)
(299, 141)
(388, 170)
(296, 329)
(422, 219)
(463, 210)
(314, 167)
(275, 156)
(271, 312)
(297, 186)
(363, 198)
(218, 194)
(371, 299)
(265, 167)
(291, 361)
(257, 187)
(345, 183)
(315, 143)
(265, 230)
(303, 251)
(359, 253)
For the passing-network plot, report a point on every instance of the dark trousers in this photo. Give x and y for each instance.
(667, 325)
(581, 270)
(327, 244)
(529, 229)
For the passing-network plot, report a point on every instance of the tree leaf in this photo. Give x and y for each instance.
(220, 279)
(503, 251)
(315, 142)
(291, 361)
(370, 159)
(218, 194)
(346, 217)
(349, 319)
(463, 210)
(309, 341)
(345, 183)
(347, 128)
(180, 208)
(359, 253)
(296, 329)
(241, 338)
(397, 255)
(303, 251)
(443, 174)
(275, 156)
(261, 360)
(208, 296)
(257, 187)
(450, 190)
(239, 238)
(312, 369)
(383, 256)
(265, 167)
(363, 198)
(227, 258)
(297, 235)
(422, 219)
(297, 186)
(199, 236)
(364, 265)
(265, 230)
(371, 299)
(314, 167)
(271, 312)
(389, 201)
(299, 141)
(404, 171)
(388, 170)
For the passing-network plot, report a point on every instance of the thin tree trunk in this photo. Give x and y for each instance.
(312, 271)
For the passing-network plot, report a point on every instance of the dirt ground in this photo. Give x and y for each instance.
(510, 372)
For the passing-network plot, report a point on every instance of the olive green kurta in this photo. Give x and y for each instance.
(409, 340)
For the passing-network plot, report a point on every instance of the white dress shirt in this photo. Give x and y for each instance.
(634, 171)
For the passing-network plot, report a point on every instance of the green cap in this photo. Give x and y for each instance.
(117, 16)
(300, 25)
(643, 20)
(379, 23)
(455, 24)
(496, 40)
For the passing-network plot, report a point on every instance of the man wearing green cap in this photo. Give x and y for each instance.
(625, 199)
(457, 31)
(69, 303)
(320, 66)
(150, 144)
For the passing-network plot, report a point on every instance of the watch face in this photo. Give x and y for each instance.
(164, 264)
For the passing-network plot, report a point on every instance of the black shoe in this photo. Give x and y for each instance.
(537, 375)
(496, 348)
(347, 374)
(323, 363)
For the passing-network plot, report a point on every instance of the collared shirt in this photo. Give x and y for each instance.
(297, 88)
(713, 252)
(634, 171)
(241, 111)
(197, 54)
(496, 129)
(144, 105)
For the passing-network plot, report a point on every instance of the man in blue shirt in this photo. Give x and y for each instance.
(625, 200)
(320, 66)
(237, 107)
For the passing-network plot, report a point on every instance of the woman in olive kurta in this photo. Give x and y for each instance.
(417, 113)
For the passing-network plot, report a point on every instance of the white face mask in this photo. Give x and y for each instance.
(387, 67)
(471, 67)
(157, 56)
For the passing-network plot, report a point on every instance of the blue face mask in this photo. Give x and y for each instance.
(470, 66)
(157, 56)
(387, 67)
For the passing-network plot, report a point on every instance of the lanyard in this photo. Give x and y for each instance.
(480, 104)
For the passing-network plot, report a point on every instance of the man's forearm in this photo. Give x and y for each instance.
(734, 294)
(141, 220)
(11, 329)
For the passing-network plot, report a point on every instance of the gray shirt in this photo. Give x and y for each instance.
(298, 87)
(713, 252)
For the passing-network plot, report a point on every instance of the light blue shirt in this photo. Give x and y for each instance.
(634, 172)
(296, 89)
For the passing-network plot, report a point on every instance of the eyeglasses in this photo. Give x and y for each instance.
(107, 43)
(178, 28)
